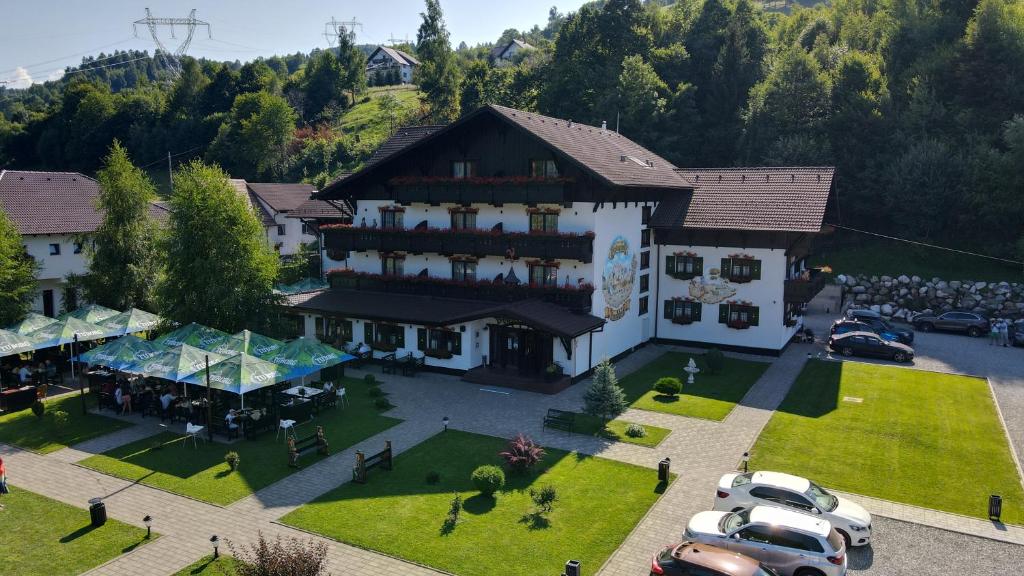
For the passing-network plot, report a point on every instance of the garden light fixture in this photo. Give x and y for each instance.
(444, 422)
(215, 542)
(746, 461)
(148, 521)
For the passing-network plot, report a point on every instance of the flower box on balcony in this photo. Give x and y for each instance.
(737, 325)
(439, 354)
(789, 322)
(683, 275)
(739, 279)
(682, 320)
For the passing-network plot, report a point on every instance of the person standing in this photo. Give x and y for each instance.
(993, 333)
(3, 481)
(1004, 332)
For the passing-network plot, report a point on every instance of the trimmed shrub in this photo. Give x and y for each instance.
(454, 509)
(233, 460)
(38, 409)
(60, 418)
(715, 360)
(433, 477)
(522, 453)
(369, 380)
(636, 431)
(382, 403)
(488, 479)
(544, 498)
(279, 557)
(668, 386)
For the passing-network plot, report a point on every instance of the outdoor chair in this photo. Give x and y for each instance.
(342, 397)
(288, 426)
(41, 391)
(192, 431)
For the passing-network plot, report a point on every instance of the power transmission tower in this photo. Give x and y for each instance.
(395, 41)
(172, 61)
(334, 29)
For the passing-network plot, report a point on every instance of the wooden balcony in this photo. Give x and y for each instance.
(575, 299)
(473, 242)
(800, 291)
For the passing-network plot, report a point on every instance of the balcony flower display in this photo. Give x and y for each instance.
(476, 180)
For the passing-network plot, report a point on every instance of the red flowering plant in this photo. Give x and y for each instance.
(522, 453)
(466, 231)
(417, 279)
(476, 180)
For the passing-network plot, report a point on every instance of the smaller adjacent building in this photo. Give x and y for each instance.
(55, 213)
(385, 59)
(275, 204)
(505, 54)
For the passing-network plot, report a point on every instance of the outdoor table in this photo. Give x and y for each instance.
(305, 392)
(96, 378)
(15, 399)
(298, 409)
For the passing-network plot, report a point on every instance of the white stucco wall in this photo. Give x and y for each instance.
(53, 269)
(766, 294)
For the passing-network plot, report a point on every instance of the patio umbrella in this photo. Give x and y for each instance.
(130, 321)
(31, 323)
(121, 353)
(304, 356)
(194, 335)
(175, 364)
(246, 342)
(64, 330)
(12, 343)
(240, 374)
(93, 313)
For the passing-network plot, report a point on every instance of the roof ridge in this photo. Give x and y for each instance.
(739, 168)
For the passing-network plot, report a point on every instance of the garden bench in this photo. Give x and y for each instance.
(411, 364)
(364, 463)
(559, 419)
(303, 446)
(390, 363)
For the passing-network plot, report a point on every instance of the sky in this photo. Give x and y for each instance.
(41, 37)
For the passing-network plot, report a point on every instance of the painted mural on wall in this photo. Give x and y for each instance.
(711, 288)
(618, 278)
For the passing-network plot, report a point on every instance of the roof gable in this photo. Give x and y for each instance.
(282, 197)
(396, 55)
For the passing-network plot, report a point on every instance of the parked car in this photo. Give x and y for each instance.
(844, 326)
(739, 491)
(879, 324)
(692, 559)
(791, 543)
(971, 323)
(869, 344)
(1017, 333)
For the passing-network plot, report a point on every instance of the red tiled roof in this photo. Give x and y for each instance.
(55, 202)
(282, 197)
(242, 189)
(770, 198)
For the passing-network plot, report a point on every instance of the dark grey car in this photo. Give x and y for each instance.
(970, 323)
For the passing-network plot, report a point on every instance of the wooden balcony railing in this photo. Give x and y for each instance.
(801, 291)
(474, 242)
(494, 191)
(574, 298)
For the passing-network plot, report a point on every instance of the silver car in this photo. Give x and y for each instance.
(789, 542)
(851, 520)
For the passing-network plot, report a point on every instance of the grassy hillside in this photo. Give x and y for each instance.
(371, 122)
(884, 257)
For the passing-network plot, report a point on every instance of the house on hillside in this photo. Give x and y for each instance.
(385, 59)
(55, 213)
(504, 54)
(519, 250)
(275, 203)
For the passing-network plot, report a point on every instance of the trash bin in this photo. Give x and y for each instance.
(572, 568)
(995, 507)
(97, 512)
(663, 469)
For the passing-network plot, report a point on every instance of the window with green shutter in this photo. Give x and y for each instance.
(683, 311)
(741, 270)
(684, 267)
(368, 333)
(739, 316)
(421, 339)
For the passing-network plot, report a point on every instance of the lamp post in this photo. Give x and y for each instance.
(444, 422)
(215, 542)
(746, 460)
(148, 521)
(209, 408)
(74, 378)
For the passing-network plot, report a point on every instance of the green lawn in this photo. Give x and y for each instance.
(222, 566)
(928, 439)
(711, 396)
(164, 462)
(886, 257)
(400, 514)
(616, 430)
(44, 536)
(370, 122)
(25, 430)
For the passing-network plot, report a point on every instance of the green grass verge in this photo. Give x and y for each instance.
(711, 396)
(927, 439)
(163, 461)
(616, 430)
(44, 536)
(370, 122)
(398, 513)
(889, 258)
(25, 430)
(224, 565)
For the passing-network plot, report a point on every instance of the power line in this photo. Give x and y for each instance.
(163, 158)
(93, 67)
(90, 51)
(926, 245)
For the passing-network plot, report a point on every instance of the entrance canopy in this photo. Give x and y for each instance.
(31, 323)
(239, 374)
(121, 354)
(195, 335)
(130, 321)
(12, 343)
(303, 356)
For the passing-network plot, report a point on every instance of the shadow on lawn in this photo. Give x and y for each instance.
(815, 392)
(535, 521)
(479, 504)
(77, 534)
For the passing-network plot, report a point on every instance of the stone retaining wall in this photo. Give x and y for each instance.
(902, 297)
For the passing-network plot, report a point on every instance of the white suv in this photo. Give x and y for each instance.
(789, 542)
(737, 491)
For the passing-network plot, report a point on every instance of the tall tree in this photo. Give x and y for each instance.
(353, 65)
(220, 267)
(123, 260)
(252, 142)
(17, 274)
(438, 74)
(324, 83)
(641, 100)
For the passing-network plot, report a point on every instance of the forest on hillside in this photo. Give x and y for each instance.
(918, 103)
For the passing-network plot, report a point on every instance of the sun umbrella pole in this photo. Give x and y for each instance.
(209, 400)
(74, 380)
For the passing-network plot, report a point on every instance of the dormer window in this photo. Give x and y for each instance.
(543, 169)
(464, 169)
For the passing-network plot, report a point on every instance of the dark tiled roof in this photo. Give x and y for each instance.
(778, 198)
(431, 311)
(322, 209)
(242, 189)
(611, 156)
(54, 202)
(400, 139)
(397, 55)
(499, 50)
(282, 197)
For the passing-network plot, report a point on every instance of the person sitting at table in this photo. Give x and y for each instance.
(363, 348)
(229, 419)
(51, 370)
(24, 374)
(166, 399)
(328, 387)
